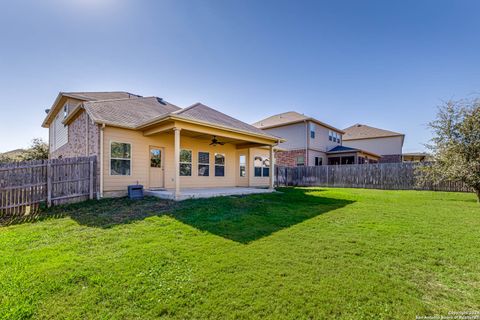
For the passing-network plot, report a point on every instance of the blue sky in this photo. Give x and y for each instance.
(382, 63)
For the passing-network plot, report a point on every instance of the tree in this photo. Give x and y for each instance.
(38, 150)
(455, 145)
(5, 159)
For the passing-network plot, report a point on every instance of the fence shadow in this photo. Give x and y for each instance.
(105, 213)
(242, 218)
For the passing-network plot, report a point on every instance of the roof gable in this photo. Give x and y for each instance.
(201, 112)
(82, 96)
(362, 131)
(279, 119)
(287, 118)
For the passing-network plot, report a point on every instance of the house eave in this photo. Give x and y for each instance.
(323, 124)
(378, 137)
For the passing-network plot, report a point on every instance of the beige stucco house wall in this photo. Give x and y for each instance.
(140, 163)
(381, 146)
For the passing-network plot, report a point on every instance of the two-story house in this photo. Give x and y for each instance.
(311, 142)
(161, 146)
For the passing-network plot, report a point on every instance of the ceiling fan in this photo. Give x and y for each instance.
(215, 142)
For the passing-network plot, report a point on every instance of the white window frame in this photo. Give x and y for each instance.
(224, 165)
(312, 130)
(110, 160)
(190, 163)
(203, 163)
(242, 164)
(262, 166)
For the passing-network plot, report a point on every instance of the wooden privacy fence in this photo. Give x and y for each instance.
(25, 185)
(389, 176)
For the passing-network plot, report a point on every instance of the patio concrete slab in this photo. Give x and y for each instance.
(194, 193)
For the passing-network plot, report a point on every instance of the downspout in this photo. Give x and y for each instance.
(86, 134)
(101, 159)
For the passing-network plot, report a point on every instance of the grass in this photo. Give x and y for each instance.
(302, 253)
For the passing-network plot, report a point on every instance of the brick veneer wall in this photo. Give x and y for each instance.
(289, 158)
(391, 158)
(76, 145)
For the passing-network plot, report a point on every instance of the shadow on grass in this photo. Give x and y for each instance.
(249, 218)
(241, 218)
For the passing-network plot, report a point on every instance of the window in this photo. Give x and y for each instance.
(300, 161)
(155, 158)
(185, 162)
(243, 165)
(348, 160)
(203, 164)
(330, 135)
(312, 130)
(339, 139)
(266, 167)
(261, 166)
(318, 161)
(219, 165)
(334, 137)
(120, 159)
(257, 165)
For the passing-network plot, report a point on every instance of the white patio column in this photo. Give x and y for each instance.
(176, 161)
(272, 166)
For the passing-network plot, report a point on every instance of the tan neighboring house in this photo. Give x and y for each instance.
(387, 144)
(311, 142)
(416, 157)
(157, 144)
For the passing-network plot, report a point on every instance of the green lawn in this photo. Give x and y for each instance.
(302, 253)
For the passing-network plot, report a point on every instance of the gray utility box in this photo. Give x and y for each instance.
(135, 192)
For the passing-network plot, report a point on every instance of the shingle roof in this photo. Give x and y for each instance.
(281, 118)
(290, 117)
(344, 149)
(201, 112)
(94, 96)
(130, 112)
(126, 110)
(362, 131)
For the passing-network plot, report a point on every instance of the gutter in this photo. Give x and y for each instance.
(307, 140)
(101, 159)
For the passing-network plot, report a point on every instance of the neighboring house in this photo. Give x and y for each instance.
(157, 144)
(415, 157)
(310, 142)
(387, 144)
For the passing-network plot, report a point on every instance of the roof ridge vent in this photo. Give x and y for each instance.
(160, 100)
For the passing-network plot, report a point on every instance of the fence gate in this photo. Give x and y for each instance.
(24, 186)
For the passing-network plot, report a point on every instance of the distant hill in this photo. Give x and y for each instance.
(13, 154)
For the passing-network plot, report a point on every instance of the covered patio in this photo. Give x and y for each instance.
(205, 153)
(196, 193)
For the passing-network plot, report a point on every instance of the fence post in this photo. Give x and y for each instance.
(91, 180)
(49, 183)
